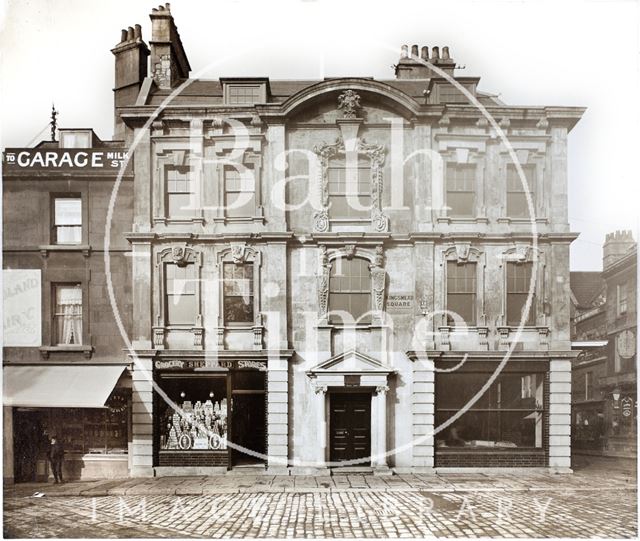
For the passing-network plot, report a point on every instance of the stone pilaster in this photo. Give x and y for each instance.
(560, 414)
(422, 408)
(142, 419)
(7, 444)
(277, 414)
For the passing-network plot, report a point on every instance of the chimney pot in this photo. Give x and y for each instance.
(130, 34)
(404, 51)
(414, 50)
(435, 53)
(167, 6)
(425, 53)
(123, 35)
(137, 32)
(445, 53)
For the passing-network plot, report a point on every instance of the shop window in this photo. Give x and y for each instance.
(622, 296)
(238, 302)
(90, 431)
(67, 317)
(67, 220)
(518, 282)
(461, 292)
(180, 281)
(508, 415)
(239, 192)
(517, 206)
(349, 190)
(199, 420)
(461, 184)
(350, 290)
(180, 192)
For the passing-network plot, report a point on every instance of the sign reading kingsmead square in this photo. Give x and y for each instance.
(92, 160)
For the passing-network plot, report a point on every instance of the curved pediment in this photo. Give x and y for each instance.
(374, 94)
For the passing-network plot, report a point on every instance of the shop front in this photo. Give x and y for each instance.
(505, 427)
(209, 416)
(85, 407)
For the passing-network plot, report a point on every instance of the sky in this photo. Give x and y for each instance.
(538, 52)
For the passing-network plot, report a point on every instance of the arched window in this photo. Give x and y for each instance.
(350, 290)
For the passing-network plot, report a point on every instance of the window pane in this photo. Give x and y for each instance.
(240, 204)
(68, 314)
(238, 309)
(69, 234)
(516, 194)
(181, 309)
(491, 429)
(68, 211)
(517, 205)
(350, 288)
(179, 205)
(460, 203)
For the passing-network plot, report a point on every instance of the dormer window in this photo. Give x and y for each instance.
(76, 138)
(244, 91)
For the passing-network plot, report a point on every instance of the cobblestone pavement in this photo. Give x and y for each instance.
(594, 502)
(342, 514)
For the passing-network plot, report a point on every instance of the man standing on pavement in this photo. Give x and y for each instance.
(56, 458)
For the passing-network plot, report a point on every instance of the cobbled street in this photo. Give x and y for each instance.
(590, 503)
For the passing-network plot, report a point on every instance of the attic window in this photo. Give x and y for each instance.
(242, 94)
(75, 139)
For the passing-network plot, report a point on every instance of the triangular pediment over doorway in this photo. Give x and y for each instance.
(351, 362)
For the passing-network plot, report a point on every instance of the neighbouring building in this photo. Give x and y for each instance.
(619, 385)
(589, 337)
(64, 369)
(604, 331)
(280, 325)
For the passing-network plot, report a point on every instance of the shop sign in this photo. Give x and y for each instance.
(627, 406)
(400, 303)
(201, 443)
(185, 364)
(89, 160)
(22, 307)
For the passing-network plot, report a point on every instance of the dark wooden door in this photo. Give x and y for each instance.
(350, 426)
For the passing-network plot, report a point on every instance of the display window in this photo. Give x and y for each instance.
(199, 421)
(509, 414)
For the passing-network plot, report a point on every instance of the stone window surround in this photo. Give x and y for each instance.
(179, 254)
(522, 252)
(378, 283)
(240, 253)
(528, 154)
(376, 154)
(248, 157)
(465, 156)
(463, 252)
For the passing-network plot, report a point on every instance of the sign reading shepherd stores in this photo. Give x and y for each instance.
(91, 160)
(400, 303)
(21, 309)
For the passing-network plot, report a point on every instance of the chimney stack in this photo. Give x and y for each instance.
(169, 63)
(130, 71)
(412, 67)
(616, 246)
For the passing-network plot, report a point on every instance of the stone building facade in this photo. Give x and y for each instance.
(325, 272)
(63, 360)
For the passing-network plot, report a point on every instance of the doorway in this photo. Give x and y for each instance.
(248, 417)
(350, 427)
(30, 445)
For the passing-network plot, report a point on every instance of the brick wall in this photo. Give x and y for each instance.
(196, 458)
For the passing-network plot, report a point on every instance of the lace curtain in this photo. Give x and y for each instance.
(69, 314)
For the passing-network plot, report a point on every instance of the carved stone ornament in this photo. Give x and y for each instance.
(376, 155)
(323, 284)
(349, 102)
(521, 252)
(238, 252)
(320, 388)
(382, 389)
(462, 251)
(179, 254)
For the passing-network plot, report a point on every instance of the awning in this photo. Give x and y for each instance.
(59, 386)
